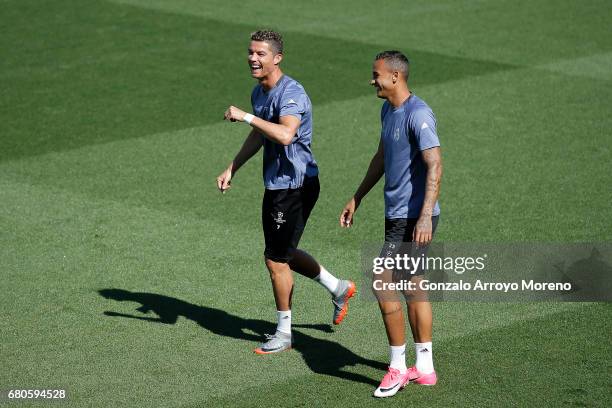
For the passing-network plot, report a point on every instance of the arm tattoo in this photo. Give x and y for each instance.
(432, 183)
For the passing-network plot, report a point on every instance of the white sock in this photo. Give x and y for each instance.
(328, 280)
(397, 355)
(424, 357)
(284, 321)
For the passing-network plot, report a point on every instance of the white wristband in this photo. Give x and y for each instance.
(248, 118)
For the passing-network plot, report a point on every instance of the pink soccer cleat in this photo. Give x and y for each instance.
(423, 379)
(391, 383)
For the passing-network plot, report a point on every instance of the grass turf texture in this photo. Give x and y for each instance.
(111, 140)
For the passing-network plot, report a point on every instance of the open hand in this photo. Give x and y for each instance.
(422, 231)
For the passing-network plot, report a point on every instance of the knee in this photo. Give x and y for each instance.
(276, 269)
(389, 308)
(420, 305)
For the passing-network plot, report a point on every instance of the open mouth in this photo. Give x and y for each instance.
(255, 67)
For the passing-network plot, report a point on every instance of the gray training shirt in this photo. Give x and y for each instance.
(286, 166)
(406, 132)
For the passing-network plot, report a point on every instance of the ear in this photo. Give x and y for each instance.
(395, 76)
(278, 58)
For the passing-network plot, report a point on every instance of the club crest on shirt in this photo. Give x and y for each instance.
(396, 134)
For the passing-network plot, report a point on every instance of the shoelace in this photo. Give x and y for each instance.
(270, 336)
(340, 298)
(393, 374)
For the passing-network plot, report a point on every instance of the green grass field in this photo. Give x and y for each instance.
(111, 139)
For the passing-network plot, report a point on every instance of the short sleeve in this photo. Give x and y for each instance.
(423, 127)
(294, 102)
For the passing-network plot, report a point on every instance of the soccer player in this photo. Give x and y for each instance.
(282, 123)
(409, 156)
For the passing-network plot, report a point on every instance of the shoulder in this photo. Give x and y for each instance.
(294, 94)
(294, 87)
(422, 124)
(420, 106)
(419, 109)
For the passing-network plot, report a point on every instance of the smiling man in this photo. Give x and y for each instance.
(409, 157)
(282, 124)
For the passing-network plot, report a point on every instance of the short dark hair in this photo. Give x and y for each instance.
(396, 61)
(274, 39)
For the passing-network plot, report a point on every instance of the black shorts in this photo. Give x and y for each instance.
(284, 214)
(401, 229)
(398, 238)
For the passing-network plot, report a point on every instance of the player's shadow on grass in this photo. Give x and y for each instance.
(321, 356)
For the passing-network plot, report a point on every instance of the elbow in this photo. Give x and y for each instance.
(286, 138)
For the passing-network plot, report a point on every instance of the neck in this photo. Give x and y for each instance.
(399, 96)
(270, 80)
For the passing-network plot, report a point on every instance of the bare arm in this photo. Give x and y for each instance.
(433, 160)
(282, 132)
(251, 145)
(375, 171)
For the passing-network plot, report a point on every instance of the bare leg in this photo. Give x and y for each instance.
(421, 321)
(304, 264)
(420, 316)
(341, 291)
(393, 317)
(391, 310)
(282, 283)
